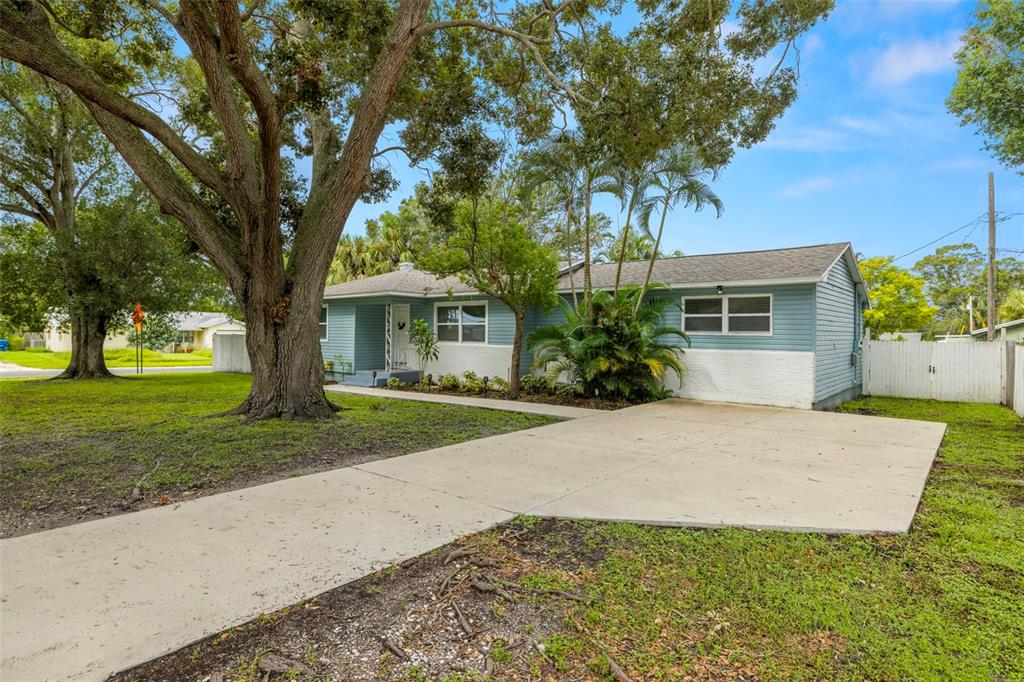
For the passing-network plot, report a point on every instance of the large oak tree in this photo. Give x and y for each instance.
(252, 87)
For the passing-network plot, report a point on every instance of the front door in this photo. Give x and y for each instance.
(400, 349)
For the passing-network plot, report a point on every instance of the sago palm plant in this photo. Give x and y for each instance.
(621, 350)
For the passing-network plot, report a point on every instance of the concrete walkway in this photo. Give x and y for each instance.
(563, 411)
(80, 602)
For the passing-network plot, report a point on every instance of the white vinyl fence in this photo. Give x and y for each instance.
(1018, 380)
(976, 372)
(229, 354)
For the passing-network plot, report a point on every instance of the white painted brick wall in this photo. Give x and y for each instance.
(485, 360)
(757, 377)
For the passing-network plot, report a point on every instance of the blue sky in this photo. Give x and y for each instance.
(867, 153)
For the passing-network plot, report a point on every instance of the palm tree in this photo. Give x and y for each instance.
(568, 164)
(553, 166)
(1012, 307)
(679, 177)
(356, 257)
(620, 350)
(630, 186)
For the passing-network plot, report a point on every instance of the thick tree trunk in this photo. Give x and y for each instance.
(88, 330)
(517, 354)
(283, 341)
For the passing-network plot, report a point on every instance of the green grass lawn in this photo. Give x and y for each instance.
(124, 357)
(945, 602)
(77, 449)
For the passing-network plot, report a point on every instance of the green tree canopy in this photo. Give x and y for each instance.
(898, 302)
(989, 88)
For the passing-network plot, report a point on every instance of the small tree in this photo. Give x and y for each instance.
(490, 247)
(898, 302)
(422, 337)
(158, 332)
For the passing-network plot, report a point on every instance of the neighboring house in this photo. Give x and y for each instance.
(57, 338)
(197, 329)
(779, 327)
(1007, 331)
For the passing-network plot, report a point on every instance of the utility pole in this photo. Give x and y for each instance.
(991, 312)
(970, 315)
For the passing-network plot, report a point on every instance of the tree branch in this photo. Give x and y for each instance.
(531, 43)
(28, 39)
(174, 196)
(234, 49)
(331, 201)
(21, 210)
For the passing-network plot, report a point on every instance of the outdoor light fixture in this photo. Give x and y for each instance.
(720, 289)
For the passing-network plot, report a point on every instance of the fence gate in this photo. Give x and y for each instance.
(969, 372)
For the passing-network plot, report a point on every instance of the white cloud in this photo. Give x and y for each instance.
(904, 61)
(807, 139)
(807, 187)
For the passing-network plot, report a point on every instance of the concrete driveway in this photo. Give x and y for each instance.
(686, 463)
(80, 602)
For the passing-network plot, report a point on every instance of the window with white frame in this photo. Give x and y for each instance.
(461, 322)
(728, 314)
(323, 322)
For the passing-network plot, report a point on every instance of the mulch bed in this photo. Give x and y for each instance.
(465, 611)
(546, 399)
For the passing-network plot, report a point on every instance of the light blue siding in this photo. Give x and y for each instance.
(792, 319)
(369, 337)
(837, 335)
(341, 326)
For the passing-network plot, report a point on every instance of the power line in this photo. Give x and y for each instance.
(974, 223)
(1001, 217)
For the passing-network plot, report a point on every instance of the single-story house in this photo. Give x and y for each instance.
(1005, 331)
(56, 337)
(776, 327)
(197, 329)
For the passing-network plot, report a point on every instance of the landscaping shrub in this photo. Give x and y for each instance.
(621, 350)
(396, 383)
(534, 384)
(422, 338)
(16, 343)
(472, 383)
(499, 385)
(449, 382)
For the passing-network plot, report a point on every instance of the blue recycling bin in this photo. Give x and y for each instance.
(4, 345)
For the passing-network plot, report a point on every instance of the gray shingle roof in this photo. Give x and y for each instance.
(799, 263)
(411, 282)
(194, 321)
(802, 263)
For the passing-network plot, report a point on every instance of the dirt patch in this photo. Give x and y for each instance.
(481, 605)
